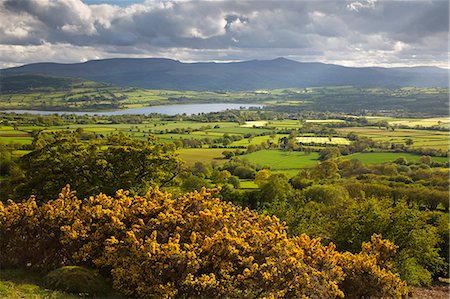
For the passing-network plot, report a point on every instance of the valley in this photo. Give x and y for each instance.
(344, 164)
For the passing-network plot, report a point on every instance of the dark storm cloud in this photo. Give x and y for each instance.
(350, 32)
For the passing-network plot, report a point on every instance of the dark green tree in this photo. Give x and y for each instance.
(90, 168)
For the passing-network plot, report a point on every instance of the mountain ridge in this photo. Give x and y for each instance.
(165, 73)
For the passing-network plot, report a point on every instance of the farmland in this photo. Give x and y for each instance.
(300, 167)
(282, 161)
(208, 155)
(264, 143)
(376, 158)
(242, 135)
(420, 138)
(66, 94)
(323, 140)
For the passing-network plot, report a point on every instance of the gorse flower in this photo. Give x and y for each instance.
(193, 246)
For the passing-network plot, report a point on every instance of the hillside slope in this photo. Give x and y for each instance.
(156, 73)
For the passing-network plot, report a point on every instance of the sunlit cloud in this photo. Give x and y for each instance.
(357, 33)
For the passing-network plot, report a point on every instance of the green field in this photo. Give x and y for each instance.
(254, 123)
(207, 155)
(426, 122)
(285, 124)
(436, 122)
(421, 138)
(279, 160)
(258, 140)
(323, 140)
(93, 96)
(240, 130)
(375, 158)
(248, 184)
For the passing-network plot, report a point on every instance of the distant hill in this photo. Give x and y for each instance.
(157, 73)
(18, 83)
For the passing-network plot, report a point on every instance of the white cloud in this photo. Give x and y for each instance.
(354, 32)
(357, 6)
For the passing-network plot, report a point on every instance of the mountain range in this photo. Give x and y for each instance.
(161, 73)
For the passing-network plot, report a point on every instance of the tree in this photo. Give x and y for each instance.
(193, 182)
(326, 170)
(276, 189)
(244, 172)
(329, 153)
(401, 161)
(126, 163)
(418, 256)
(328, 194)
(234, 181)
(228, 154)
(292, 145)
(351, 167)
(261, 177)
(220, 176)
(202, 169)
(425, 160)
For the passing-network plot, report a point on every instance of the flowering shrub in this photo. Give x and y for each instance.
(194, 246)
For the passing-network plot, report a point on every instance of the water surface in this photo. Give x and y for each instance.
(188, 109)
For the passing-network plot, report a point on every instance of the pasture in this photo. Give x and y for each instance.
(279, 160)
(248, 184)
(420, 138)
(258, 140)
(206, 155)
(442, 122)
(436, 122)
(9, 135)
(254, 123)
(377, 158)
(323, 140)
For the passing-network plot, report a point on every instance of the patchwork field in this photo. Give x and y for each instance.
(420, 138)
(323, 140)
(375, 158)
(256, 123)
(279, 160)
(443, 122)
(258, 140)
(207, 155)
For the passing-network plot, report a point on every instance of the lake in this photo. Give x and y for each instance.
(188, 109)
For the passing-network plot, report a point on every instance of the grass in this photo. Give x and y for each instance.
(18, 284)
(375, 158)
(324, 140)
(248, 184)
(424, 122)
(240, 130)
(255, 123)
(82, 98)
(421, 138)
(323, 121)
(206, 155)
(279, 160)
(257, 140)
(18, 140)
(285, 124)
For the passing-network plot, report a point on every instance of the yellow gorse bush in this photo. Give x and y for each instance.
(192, 246)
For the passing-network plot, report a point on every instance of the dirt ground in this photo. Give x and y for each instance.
(441, 291)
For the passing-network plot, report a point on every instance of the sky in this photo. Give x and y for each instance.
(350, 33)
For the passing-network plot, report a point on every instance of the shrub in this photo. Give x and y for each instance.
(76, 280)
(193, 246)
(367, 274)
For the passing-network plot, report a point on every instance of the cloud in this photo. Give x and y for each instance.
(356, 32)
(357, 6)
